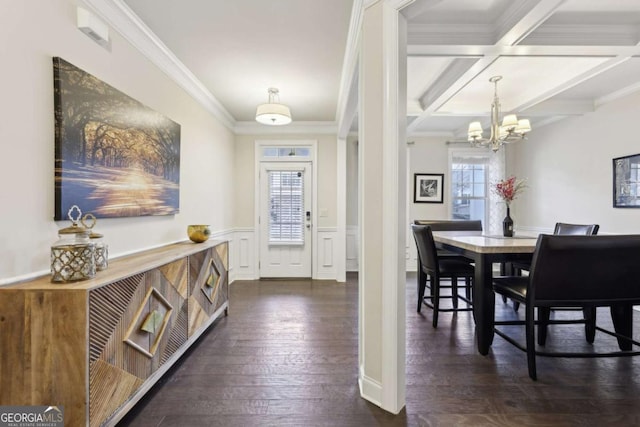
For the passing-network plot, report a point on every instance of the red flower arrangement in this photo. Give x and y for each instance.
(508, 189)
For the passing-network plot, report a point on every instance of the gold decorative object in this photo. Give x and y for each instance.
(198, 233)
(102, 249)
(73, 254)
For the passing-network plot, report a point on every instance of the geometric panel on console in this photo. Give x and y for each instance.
(149, 323)
(106, 307)
(212, 284)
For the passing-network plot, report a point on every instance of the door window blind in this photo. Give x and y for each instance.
(286, 207)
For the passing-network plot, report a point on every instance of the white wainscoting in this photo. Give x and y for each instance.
(353, 244)
(242, 255)
(325, 260)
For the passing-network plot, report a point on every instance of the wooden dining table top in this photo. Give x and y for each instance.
(479, 242)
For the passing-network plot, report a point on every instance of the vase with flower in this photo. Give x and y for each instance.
(508, 190)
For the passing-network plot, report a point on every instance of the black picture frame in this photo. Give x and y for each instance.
(428, 187)
(626, 181)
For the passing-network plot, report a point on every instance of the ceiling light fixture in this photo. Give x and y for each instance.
(511, 130)
(273, 113)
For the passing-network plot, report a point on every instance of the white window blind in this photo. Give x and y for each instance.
(286, 207)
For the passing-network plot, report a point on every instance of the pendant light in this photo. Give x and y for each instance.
(273, 113)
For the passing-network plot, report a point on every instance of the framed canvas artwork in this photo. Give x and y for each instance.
(114, 157)
(626, 182)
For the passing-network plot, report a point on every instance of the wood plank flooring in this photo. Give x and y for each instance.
(287, 355)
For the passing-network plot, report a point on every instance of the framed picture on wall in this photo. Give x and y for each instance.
(626, 182)
(428, 187)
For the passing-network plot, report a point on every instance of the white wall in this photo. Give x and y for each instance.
(33, 31)
(425, 155)
(568, 166)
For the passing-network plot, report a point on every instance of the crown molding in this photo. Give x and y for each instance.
(254, 128)
(121, 18)
(348, 80)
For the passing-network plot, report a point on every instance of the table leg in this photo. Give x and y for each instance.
(622, 316)
(483, 303)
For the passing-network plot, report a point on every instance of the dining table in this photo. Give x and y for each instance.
(485, 250)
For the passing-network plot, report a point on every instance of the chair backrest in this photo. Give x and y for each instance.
(426, 247)
(576, 229)
(451, 225)
(574, 270)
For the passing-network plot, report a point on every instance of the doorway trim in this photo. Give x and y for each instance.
(261, 144)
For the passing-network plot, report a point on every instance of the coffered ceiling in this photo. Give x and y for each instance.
(558, 58)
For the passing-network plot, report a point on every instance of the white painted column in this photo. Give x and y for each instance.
(340, 257)
(382, 204)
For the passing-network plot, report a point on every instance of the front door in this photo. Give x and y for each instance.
(285, 219)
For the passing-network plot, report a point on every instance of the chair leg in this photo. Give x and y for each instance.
(543, 322)
(467, 282)
(516, 305)
(531, 342)
(504, 299)
(422, 284)
(435, 285)
(454, 292)
(589, 323)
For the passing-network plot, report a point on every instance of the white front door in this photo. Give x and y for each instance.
(285, 219)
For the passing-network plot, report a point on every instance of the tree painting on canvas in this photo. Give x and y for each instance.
(114, 156)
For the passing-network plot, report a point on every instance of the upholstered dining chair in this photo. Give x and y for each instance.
(560, 229)
(577, 271)
(436, 268)
(451, 225)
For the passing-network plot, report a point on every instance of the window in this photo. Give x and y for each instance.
(278, 153)
(468, 188)
(286, 201)
(472, 172)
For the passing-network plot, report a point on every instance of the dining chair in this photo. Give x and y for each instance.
(451, 225)
(436, 268)
(560, 229)
(577, 271)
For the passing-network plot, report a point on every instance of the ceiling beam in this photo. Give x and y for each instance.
(444, 95)
(521, 19)
(461, 51)
(572, 82)
(453, 72)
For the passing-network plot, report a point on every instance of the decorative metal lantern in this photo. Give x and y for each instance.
(73, 254)
(101, 248)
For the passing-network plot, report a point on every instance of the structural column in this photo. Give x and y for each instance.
(341, 204)
(382, 203)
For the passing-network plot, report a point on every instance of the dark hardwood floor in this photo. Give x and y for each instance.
(287, 355)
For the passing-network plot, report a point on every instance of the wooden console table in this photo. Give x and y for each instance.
(96, 347)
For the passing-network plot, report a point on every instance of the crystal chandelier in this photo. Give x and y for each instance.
(511, 129)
